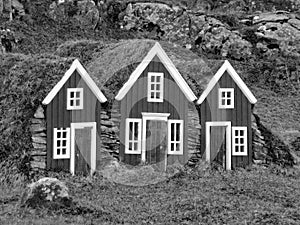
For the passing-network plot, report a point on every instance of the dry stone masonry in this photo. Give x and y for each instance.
(38, 131)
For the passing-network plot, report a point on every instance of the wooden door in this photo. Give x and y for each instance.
(156, 143)
(218, 145)
(83, 139)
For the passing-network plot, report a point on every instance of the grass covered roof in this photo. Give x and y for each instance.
(112, 66)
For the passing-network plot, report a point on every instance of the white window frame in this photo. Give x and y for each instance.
(74, 90)
(245, 144)
(139, 141)
(161, 83)
(61, 139)
(226, 90)
(180, 152)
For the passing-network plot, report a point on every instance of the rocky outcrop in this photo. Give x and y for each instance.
(187, 29)
(39, 141)
(46, 192)
(278, 33)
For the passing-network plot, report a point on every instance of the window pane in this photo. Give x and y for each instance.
(130, 130)
(157, 87)
(58, 134)
(177, 131)
(64, 134)
(77, 94)
(177, 147)
(58, 143)
(223, 102)
(78, 102)
(157, 95)
(158, 79)
(152, 94)
(130, 146)
(172, 131)
(241, 133)
(152, 87)
(236, 133)
(64, 144)
(136, 131)
(236, 140)
(223, 94)
(242, 148)
(228, 101)
(135, 146)
(241, 140)
(172, 146)
(152, 78)
(228, 94)
(71, 102)
(236, 148)
(64, 151)
(72, 94)
(58, 151)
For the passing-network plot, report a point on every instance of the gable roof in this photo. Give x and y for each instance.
(76, 65)
(227, 67)
(157, 50)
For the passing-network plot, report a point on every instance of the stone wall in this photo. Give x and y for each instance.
(38, 131)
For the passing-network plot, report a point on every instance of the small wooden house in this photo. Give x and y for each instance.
(225, 113)
(154, 113)
(73, 122)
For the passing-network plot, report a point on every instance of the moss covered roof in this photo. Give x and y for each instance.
(112, 67)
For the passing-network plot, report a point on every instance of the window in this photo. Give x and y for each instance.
(75, 98)
(61, 145)
(175, 137)
(155, 87)
(133, 141)
(239, 141)
(226, 98)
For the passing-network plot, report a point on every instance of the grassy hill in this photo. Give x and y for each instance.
(44, 52)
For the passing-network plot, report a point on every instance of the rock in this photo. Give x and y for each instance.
(38, 153)
(36, 128)
(39, 140)
(46, 192)
(39, 146)
(39, 114)
(270, 17)
(295, 23)
(37, 165)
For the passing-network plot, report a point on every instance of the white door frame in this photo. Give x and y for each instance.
(93, 144)
(150, 116)
(226, 124)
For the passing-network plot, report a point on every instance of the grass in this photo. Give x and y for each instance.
(256, 196)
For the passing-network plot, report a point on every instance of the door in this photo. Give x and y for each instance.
(83, 148)
(218, 143)
(156, 143)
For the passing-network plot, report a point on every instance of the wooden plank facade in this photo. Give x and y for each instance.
(240, 115)
(135, 103)
(57, 116)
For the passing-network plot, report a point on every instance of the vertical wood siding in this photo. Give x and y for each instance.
(135, 102)
(239, 116)
(59, 117)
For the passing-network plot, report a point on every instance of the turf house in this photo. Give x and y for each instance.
(148, 103)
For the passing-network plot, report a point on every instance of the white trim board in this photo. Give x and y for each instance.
(240, 83)
(76, 65)
(157, 50)
(93, 145)
(150, 116)
(226, 124)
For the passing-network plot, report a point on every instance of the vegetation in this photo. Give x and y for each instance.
(204, 196)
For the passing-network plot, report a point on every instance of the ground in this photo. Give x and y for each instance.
(204, 196)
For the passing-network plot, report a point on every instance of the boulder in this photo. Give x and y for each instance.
(46, 192)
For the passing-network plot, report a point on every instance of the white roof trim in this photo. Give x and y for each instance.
(227, 66)
(76, 65)
(157, 50)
